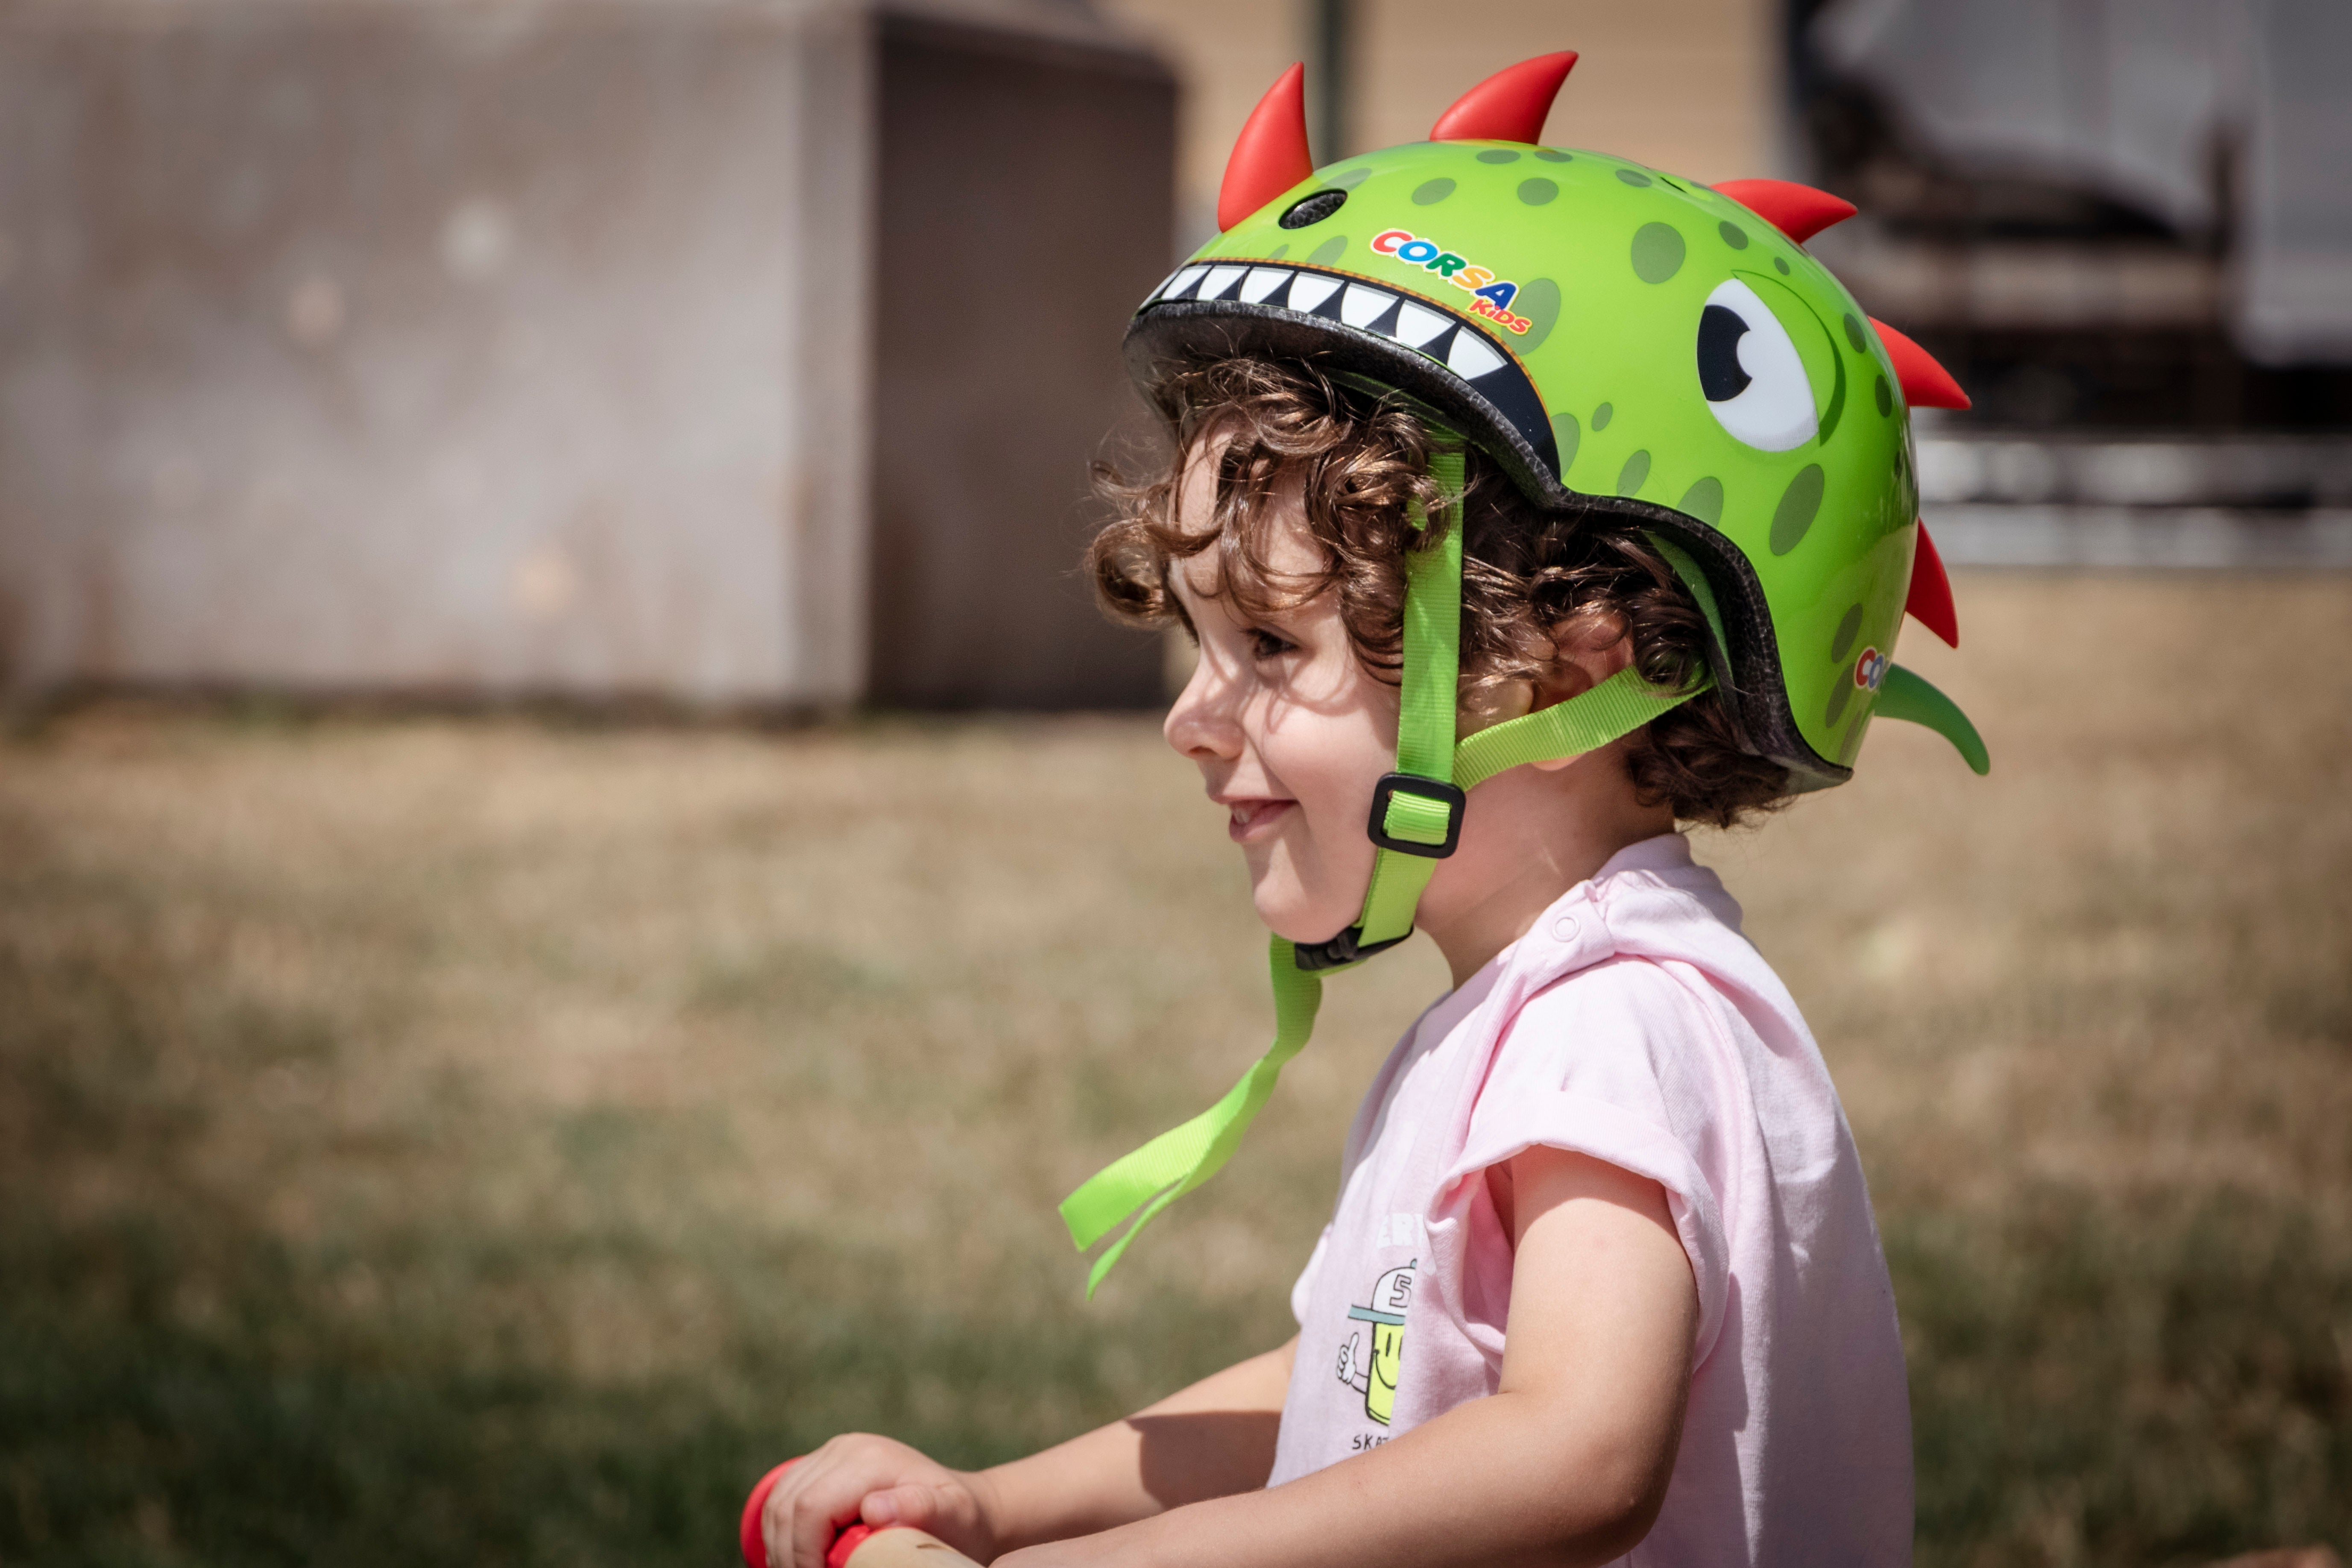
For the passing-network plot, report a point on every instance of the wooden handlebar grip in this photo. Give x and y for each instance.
(892, 1546)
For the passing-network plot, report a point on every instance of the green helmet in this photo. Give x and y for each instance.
(1611, 336)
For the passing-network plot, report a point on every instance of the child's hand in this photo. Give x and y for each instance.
(882, 1482)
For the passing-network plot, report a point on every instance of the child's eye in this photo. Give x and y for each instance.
(1264, 643)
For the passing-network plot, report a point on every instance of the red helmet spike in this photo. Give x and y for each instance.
(1508, 106)
(1270, 155)
(1797, 211)
(1925, 383)
(1930, 599)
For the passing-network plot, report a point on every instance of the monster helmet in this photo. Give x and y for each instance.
(1612, 336)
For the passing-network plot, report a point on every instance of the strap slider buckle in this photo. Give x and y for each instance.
(1405, 815)
(1349, 947)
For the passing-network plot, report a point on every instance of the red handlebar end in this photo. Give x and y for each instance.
(847, 1541)
(755, 1545)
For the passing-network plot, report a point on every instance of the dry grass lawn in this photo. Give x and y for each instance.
(490, 1140)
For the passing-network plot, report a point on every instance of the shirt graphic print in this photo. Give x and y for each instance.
(1374, 1351)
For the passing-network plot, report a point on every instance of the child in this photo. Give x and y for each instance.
(1597, 475)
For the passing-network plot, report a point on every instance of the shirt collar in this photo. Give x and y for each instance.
(1666, 852)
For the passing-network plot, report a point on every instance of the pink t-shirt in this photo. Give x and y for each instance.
(1634, 1024)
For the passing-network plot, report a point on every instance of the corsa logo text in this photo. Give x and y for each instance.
(1492, 295)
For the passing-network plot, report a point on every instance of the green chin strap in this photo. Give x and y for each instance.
(1416, 820)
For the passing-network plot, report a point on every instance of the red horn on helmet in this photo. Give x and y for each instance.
(1925, 383)
(1508, 106)
(1270, 155)
(1797, 211)
(1930, 600)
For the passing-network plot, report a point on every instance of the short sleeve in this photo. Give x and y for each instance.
(1303, 1292)
(1620, 1062)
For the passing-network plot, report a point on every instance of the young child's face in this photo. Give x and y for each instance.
(1289, 732)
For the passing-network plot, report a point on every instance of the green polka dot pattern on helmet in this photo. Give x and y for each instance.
(1609, 331)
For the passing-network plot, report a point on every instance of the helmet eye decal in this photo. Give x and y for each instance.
(1750, 372)
(1720, 375)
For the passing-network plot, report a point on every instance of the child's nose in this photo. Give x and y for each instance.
(1201, 723)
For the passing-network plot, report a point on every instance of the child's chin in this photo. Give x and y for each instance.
(1297, 918)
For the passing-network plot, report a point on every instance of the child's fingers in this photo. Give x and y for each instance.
(860, 1475)
(908, 1504)
(811, 1502)
(946, 1508)
(776, 1513)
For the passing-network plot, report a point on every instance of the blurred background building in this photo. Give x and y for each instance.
(727, 352)
(2125, 225)
(753, 352)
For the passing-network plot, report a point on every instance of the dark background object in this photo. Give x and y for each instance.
(1025, 205)
(2120, 275)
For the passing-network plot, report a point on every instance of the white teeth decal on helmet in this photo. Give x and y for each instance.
(1445, 340)
(1365, 305)
(1180, 286)
(1263, 281)
(1310, 290)
(1417, 325)
(1472, 357)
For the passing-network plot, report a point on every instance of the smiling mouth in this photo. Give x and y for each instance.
(1253, 818)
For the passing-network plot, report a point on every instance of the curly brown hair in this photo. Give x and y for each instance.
(1359, 458)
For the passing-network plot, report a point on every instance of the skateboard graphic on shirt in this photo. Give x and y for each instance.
(1372, 1372)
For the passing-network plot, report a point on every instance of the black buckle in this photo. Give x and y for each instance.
(1445, 794)
(1341, 950)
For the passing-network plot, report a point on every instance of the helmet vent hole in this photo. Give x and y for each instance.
(1314, 209)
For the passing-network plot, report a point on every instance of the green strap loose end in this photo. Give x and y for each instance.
(1908, 696)
(1139, 1185)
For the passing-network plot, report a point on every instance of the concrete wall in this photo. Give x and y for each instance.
(432, 348)
(471, 349)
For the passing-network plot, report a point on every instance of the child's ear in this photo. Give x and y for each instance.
(1595, 642)
(1496, 703)
(1587, 649)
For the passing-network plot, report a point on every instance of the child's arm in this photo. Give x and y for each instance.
(1211, 1440)
(1566, 1464)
